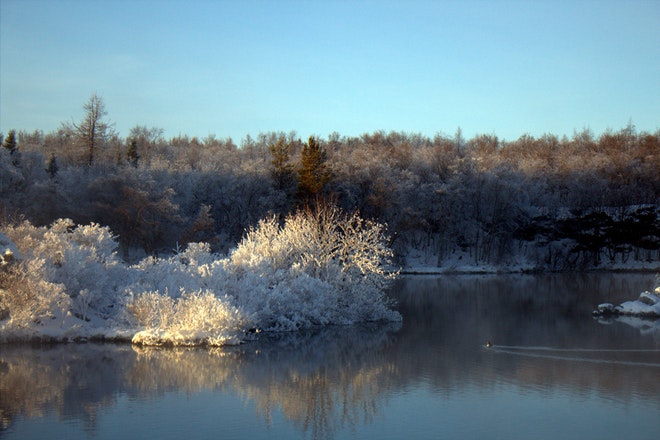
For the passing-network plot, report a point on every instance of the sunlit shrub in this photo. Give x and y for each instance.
(79, 262)
(324, 242)
(192, 318)
(27, 300)
(319, 267)
(324, 265)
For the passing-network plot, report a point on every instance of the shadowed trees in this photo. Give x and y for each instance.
(565, 201)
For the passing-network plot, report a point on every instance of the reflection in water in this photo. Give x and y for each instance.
(72, 381)
(321, 380)
(338, 378)
(462, 312)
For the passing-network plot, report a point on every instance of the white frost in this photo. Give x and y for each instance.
(280, 277)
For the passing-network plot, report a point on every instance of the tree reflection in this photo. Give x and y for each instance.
(70, 381)
(324, 380)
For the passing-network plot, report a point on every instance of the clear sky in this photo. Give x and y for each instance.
(232, 68)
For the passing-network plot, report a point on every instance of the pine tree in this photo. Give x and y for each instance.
(10, 141)
(52, 167)
(313, 174)
(282, 172)
(132, 153)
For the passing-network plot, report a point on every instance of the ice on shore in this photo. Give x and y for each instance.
(646, 305)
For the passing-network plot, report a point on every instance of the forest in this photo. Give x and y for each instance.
(541, 203)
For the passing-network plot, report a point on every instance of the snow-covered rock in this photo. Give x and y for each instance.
(647, 305)
(605, 309)
(9, 253)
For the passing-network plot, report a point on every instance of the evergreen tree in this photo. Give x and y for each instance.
(10, 141)
(52, 167)
(282, 172)
(313, 174)
(132, 153)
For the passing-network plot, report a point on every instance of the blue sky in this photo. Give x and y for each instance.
(233, 68)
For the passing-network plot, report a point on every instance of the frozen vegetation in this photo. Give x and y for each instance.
(316, 267)
(589, 202)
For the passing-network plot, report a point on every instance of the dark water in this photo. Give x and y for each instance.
(427, 377)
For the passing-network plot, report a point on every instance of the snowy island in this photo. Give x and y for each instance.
(316, 267)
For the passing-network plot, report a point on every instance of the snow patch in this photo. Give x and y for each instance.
(9, 253)
(646, 305)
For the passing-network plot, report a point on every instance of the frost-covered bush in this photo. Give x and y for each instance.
(27, 300)
(316, 268)
(322, 266)
(75, 267)
(188, 269)
(192, 318)
(324, 243)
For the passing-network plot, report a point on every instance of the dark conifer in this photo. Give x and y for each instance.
(132, 153)
(313, 174)
(10, 141)
(52, 167)
(282, 171)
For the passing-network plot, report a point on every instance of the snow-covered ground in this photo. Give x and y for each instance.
(424, 261)
(417, 262)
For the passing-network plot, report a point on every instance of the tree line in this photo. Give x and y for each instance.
(559, 202)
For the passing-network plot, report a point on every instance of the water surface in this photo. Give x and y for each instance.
(553, 372)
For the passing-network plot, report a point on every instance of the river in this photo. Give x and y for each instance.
(552, 372)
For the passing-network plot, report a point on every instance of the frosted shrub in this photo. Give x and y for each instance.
(204, 311)
(81, 260)
(152, 309)
(196, 254)
(26, 299)
(193, 318)
(319, 267)
(325, 242)
(322, 266)
(84, 258)
(191, 269)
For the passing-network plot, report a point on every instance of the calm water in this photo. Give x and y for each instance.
(427, 377)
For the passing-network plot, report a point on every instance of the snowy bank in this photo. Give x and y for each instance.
(427, 262)
(647, 305)
(315, 268)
